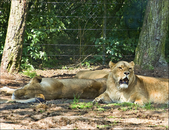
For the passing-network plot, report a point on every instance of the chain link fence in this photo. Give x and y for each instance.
(81, 32)
(73, 32)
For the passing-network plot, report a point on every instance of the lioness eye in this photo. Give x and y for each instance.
(120, 68)
(130, 68)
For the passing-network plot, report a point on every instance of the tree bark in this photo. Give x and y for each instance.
(12, 52)
(150, 51)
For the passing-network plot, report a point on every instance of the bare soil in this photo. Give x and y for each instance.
(58, 114)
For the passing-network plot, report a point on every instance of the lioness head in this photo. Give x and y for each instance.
(122, 73)
(29, 90)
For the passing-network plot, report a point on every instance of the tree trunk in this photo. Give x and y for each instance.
(150, 51)
(12, 52)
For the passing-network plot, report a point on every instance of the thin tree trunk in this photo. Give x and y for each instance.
(150, 51)
(12, 52)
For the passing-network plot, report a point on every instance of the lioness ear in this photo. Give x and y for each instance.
(36, 79)
(111, 64)
(132, 63)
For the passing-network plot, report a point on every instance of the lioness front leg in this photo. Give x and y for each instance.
(103, 98)
(139, 99)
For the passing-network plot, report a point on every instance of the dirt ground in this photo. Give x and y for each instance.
(58, 114)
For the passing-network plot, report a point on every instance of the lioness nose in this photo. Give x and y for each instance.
(126, 73)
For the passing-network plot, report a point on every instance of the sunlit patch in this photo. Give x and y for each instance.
(156, 96)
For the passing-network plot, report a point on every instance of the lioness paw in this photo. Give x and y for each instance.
(98, 100)
(139, 102)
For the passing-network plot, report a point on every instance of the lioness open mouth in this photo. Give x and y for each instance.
(124, 81)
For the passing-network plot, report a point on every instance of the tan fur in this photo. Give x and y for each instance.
(140, 89)
(92, 74)
(60, 88)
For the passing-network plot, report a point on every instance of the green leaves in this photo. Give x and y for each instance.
(80, 26)
(116, 47)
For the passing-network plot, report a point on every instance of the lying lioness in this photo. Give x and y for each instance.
(92, 74)
(124, 86)
(58, 88)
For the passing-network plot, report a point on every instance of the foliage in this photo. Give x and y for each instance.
(167, 47)
(25, 65)
(86, 64)
(125, 29)
(4, 15)
(64, 32)
(50, 27)
(30, 74)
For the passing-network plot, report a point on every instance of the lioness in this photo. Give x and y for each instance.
(58, 88)
(124, 86)
(92, 74)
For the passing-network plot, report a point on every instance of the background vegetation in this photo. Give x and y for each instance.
(64, 32)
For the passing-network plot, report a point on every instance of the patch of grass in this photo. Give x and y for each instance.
(81, 105)
(126, 106)
(115, 122)
(11, 101)
(101, 109)
(103, 126)
(86, 64)
(157, 126)
(67, 68)
(148, 106)
(30, 74)
(71, 68)
(111, 117)
(41, 111)
(64, 67)
(97, 104)
(76, 98)
(151, 106)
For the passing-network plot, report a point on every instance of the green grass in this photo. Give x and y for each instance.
(11, 102)
(149, 106)
(100, 109)
(81, 105)
(76, 98)
(111, 117)
(130, 106)
(41, 111)
(158, 126)
(115, 122)
(30, 74)
(125, 106)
